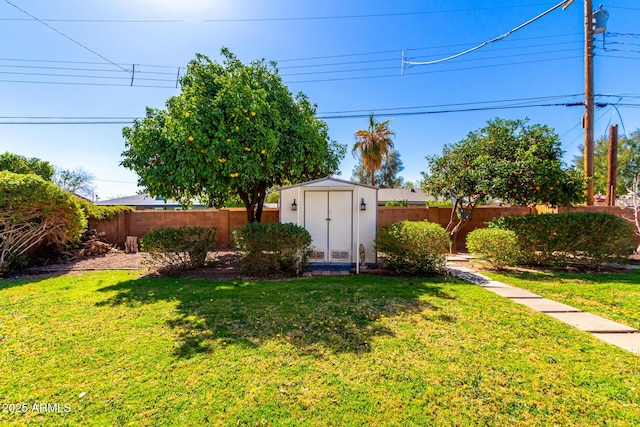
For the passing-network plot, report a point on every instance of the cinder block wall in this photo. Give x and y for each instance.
(138, 223)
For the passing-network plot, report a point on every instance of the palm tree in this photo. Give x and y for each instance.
(373, 145)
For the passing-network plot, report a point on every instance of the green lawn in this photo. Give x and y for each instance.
(119, 350)
(614, 296)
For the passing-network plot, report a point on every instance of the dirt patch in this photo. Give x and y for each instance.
(221, 265)
(113, 260)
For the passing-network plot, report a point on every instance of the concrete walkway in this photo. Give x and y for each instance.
(609, 331)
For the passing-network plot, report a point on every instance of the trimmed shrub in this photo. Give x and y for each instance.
(500, 248)
(34, 212)
(590, 238)
(98, 213)
(173, 249)
(413, 247)
(274, 247)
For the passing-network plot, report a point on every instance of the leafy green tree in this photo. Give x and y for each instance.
(373, 145)
(78, 181)
(19, 164)
(508, 160)
(386, 176)
(34, 211)
(628, 162)
(235, 129)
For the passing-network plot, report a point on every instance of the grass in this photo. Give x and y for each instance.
(610, 295)
(355, 350)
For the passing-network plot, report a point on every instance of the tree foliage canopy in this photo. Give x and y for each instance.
(628, 162)
(509, 160)
(234, 129)
(78, 181)
(386, 177)
(19, 164)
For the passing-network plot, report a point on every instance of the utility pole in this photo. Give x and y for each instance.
(612, 165)
(587, 120)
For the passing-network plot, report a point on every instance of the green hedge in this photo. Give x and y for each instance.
(500, 248)
(34, 212)
(274, 247)
(98, 213)
(173, 249)
(416, 248)
(588, 238)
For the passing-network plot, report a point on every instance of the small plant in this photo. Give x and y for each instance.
(273, 247)
(413, 247)
(589, 238)
(400, 203)
(173, 249)
(498, 247)
(436, 203)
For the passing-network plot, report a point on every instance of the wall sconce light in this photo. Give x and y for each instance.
(294, 205)
(363, 205)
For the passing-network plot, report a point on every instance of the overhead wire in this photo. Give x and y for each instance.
(64, 35)
(303, 18)
(431, 71)
(563, 4)
(127, 81)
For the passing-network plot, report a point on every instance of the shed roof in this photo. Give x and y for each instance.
(329, 180)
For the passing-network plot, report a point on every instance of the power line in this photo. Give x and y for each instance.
(130, 82)
(619, 57)
(417, 48)
(328, 116)
(60, 121)
(179, 68)
(394, 67)
(64, 35)
(538, 98)
(431, 72)
(78, 62)
(623, 8)
(85, 84)
(307, 18)
(563, 4)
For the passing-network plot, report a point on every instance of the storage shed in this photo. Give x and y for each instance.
(341, 217)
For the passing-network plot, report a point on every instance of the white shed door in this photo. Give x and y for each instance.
(328, 218)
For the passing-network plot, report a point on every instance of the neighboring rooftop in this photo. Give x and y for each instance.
(144, 201)
(413, 197)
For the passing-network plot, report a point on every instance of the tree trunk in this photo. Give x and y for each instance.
(453, 244)
(453, 228)
(254, 204)
(373, 177)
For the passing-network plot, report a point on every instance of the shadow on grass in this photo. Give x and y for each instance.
(625, 276)
(18, 279)
(336, 314)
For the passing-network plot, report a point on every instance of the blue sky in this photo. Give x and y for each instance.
(345, 55)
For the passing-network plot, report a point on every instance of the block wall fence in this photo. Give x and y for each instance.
(138, 223)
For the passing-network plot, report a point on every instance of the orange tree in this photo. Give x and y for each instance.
(235, 129)
(509, 160)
